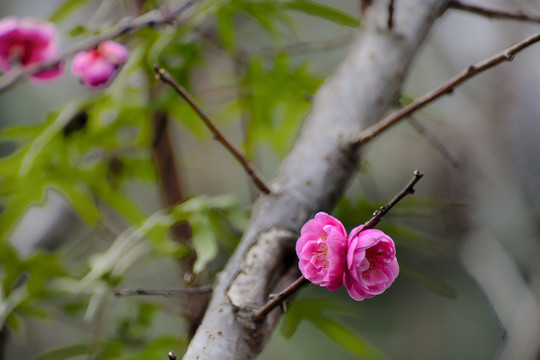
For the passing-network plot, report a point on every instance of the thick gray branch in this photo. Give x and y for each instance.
(312, 177)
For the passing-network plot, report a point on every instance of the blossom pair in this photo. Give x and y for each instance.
(24, 42)
(364, 261)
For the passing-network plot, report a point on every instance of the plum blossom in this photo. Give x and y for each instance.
(27, 41)
(322, 249)
(97, 67)
(371, 263)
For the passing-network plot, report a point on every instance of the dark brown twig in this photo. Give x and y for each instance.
(433, 140)
(447, 88)
(164, 76)
(407, 190)
(158, 17)
(391, 5)
(163, 292)
(278, 299)
(494, 13)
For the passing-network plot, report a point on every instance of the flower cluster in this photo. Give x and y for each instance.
(364, 262)
(25, 41)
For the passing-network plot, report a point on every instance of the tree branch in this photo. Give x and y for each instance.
(445, 89)
(164, 76)
(367, 82)
(129, 25)
(494, 13)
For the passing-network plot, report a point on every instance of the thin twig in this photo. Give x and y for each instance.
(164, 76)
(128, 25)
(434, 141)
(391, 5)
(277, 299)
(445, 89)
(407, 190)
(494, 13)
(164, 292)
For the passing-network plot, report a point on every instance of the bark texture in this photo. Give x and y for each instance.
(312, 177)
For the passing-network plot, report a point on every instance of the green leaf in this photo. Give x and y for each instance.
(323, 11)
(435, 285)
(66, 352)
(46, 136)
(204, 241)
(9, 303)
(120, 202)
(77, 31)
(224, 19)
(314, 311)
(183, 113)
(409, 236)
(157, 348)
(25, 132)
(81, 202)
(15, 323)
(65, 9)
(18, 204)
(346, 338)
(307, 308)
(274, 99)
(123, 252)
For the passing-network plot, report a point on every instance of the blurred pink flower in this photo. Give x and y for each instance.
(321, 249)
(97, 67)
(371, 263)
(28, 41)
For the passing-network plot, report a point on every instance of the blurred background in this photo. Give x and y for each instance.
(467, 240)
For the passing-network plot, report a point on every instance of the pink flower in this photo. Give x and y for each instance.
(371, 263)
(27, 41)
(97, 67)
(321, 249)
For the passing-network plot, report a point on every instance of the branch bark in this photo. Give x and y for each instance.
(367, 82)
